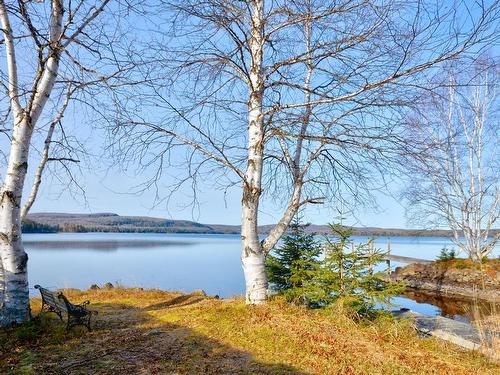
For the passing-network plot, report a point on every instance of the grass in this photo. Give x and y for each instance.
(155, 332)
(488, 327)
(491, 265)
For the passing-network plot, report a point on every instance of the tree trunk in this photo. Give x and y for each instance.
(15, 302)
(14, 306)
(253, 257)
(253, 261)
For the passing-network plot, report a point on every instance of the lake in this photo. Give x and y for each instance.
(181, 262)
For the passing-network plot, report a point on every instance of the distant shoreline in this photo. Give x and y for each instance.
(113, 223)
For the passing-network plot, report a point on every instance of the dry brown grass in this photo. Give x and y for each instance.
(489, 265)
(488, 328)
(155, 332)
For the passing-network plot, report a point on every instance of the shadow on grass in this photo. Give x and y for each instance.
(183, 300)
(124, 340)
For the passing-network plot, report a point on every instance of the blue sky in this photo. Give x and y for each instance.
(111, 190)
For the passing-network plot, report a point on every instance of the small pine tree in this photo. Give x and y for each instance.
(292, 265)
(446, 254)
(349, 275)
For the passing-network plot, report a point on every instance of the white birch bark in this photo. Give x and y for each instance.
(252, 257)
(476, 206)
(15, 299)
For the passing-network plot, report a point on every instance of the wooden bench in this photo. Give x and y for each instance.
(57, 303)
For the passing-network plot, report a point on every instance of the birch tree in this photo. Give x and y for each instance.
(296, 100)
(456, 183)
(51, 52)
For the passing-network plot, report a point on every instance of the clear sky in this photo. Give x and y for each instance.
(111, 190)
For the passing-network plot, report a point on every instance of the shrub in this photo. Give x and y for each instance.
(296, 271)
(460, 264)
(351, 276)
(291, 266)
(446, 254)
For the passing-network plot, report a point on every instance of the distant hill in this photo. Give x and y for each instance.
(109, 222)
(50, 222)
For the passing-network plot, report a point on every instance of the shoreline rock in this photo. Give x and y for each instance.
(443, 279)
(462, 334)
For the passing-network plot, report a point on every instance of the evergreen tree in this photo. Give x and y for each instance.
(349, 272)
(292, 265)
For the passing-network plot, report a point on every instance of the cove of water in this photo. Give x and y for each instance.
(181, 262)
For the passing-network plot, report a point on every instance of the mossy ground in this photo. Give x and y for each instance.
(155, 332)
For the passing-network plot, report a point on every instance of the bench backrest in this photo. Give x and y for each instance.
(52, 299)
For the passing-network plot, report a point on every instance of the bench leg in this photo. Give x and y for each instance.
(88, 323)
(72, 321)
(75, 321)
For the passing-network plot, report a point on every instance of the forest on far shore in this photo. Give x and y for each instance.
(110, 222)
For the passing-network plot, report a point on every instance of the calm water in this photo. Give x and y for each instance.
(182, 262)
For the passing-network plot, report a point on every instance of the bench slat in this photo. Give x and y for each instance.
(52, 299)
(48, 297)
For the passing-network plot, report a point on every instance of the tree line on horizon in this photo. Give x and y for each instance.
(304, 102)
(48, 223)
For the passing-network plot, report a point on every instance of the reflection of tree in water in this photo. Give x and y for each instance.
(455, 308)
(108, 245)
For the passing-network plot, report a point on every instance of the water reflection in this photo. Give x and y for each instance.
(101, 245)
(164, 261)
(465, 310)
